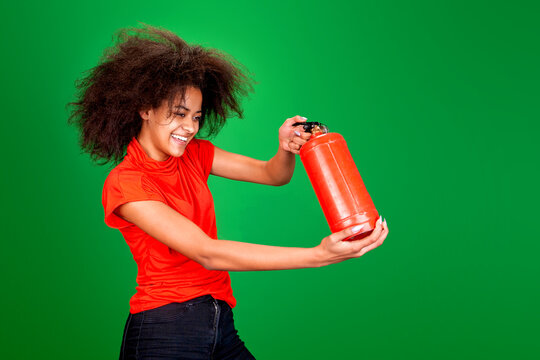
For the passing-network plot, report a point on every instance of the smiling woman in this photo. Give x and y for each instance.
(144, 104)
(166, 133)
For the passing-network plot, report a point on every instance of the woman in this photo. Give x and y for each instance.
(148, 98)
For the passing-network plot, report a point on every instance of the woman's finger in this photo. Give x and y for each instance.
(295, 119)
(358, 245)
(294, 146)
(344, 250)
(379, 241)
(298, 140)
(343, 234)
(301, 134)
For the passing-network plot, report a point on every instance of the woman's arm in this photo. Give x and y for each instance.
(276, 171)
(179, 233)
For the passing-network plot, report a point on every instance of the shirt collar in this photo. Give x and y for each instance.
(137, 155)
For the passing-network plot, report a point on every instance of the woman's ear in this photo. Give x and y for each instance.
(145, 113)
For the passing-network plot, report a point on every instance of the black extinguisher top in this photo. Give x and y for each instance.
(310, 126)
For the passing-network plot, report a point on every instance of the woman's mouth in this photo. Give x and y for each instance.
(179, 139)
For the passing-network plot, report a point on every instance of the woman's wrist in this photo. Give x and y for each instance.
(282, 151)
(280, 167)
(319, 258)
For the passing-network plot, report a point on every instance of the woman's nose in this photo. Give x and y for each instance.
(189, 126)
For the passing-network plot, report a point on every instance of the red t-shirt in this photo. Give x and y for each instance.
(164, 275)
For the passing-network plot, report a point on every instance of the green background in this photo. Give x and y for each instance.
(439, 103)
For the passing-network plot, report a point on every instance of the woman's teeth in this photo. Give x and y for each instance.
(179, 137)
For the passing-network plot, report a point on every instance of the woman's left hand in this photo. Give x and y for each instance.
(291, 138)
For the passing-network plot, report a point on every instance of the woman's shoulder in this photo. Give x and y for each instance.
(202, 152)
(124, 174)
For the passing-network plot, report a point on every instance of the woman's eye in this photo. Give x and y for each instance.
(196, 118)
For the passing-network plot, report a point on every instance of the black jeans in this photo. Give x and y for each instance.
(201, 328)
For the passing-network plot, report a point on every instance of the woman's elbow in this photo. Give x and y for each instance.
(284, 182)
(209, 265)
(280, 181)
(214, 264)
(206, 257)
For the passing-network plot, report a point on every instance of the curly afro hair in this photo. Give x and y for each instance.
(143, 68)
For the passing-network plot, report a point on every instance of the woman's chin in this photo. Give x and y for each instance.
(177, 149)
(177, 152)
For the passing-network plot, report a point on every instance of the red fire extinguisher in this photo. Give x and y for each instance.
(336, 181)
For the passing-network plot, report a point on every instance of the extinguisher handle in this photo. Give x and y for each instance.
(308, 125)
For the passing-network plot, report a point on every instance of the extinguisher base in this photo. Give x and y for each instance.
(359, 236)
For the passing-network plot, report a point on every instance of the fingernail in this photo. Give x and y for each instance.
(305, 118)
(297, 133)
(357, 228)
(380, 220)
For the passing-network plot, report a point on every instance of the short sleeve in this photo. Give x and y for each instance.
(206, 155)
(124, 187)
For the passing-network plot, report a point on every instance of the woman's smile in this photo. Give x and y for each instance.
(180, 140)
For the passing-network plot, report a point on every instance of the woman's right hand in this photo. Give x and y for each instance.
(334, 249)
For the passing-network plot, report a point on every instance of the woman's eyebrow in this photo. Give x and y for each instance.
(183, 107)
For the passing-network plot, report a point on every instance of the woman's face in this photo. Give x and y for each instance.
(163, 134)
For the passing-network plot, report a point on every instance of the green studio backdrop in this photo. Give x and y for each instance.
(438, 101)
